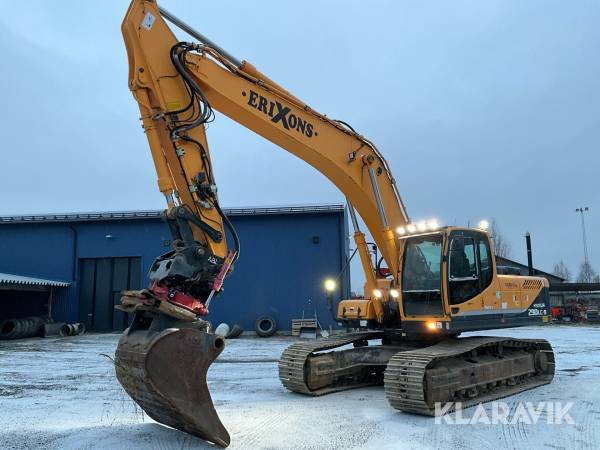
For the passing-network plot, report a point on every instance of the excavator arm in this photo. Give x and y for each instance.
(163, 72)
(173, 113)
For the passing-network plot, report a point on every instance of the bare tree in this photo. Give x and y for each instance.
(587, 274)
(501, 245)
(561, 270)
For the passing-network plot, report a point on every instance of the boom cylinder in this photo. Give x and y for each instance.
(377, 195)
(352, 213)
(196, 34)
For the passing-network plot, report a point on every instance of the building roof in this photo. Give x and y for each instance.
(576, 287)
(502, 261)
(7, 278)
(156, 214)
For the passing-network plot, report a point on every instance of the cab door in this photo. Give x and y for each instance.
(469, 270)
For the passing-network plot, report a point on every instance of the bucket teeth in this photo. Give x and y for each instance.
(165, 373)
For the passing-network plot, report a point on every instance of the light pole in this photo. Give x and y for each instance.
(581, 210)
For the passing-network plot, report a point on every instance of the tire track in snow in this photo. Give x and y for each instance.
(257, 430)
(584, 424)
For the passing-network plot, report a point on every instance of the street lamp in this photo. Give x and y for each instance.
(581, 210)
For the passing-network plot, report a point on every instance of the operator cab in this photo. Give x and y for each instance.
(461, 257)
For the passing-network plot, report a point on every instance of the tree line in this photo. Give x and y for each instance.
(586, 274)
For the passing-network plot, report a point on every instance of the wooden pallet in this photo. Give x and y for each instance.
(299, 325)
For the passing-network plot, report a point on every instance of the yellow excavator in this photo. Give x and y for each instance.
(431, 283)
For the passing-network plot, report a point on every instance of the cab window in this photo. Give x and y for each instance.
(463, 280)
(469, 266)
(421, 276)
(485, 262)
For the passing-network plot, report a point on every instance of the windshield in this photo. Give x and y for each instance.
(421, 275)
(422, 258)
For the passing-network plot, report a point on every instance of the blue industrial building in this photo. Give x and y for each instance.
(286, 253)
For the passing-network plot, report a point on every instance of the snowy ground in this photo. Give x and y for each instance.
(62, 394)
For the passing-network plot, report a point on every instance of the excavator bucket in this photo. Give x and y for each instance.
(164, 371)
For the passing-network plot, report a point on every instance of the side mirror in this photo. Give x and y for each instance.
(457, 244)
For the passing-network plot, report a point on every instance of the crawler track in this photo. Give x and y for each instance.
(292, 365)
(467, 370)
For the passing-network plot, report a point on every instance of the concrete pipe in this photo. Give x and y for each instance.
(52, 329)
(39, 327)
(222, 330)
(235, 332)
(72, 329)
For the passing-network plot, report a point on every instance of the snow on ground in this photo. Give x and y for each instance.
(61, 393)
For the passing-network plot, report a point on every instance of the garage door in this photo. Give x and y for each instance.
(101, 281)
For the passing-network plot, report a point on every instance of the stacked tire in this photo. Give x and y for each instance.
(22, 328)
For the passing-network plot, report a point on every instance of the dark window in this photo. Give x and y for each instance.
(463, 279)
(485, 262)
(469, 266)
(421, 277)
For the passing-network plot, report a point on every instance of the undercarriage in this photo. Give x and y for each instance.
(418, 375)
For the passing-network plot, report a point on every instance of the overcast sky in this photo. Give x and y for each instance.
(484, 109)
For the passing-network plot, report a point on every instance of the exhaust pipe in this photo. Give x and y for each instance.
(529, 257)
